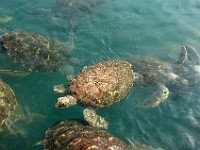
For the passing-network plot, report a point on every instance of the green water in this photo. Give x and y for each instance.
(116, 29)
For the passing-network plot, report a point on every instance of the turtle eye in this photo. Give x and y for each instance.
(61, 105)
(165, 92)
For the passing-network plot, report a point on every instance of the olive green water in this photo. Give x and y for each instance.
(116, 29)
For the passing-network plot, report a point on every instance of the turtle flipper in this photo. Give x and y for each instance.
(93, 119)
(192, 54)
(14, 73)
(59, 89)
(10, 126)
(6, 19)
(40, 11)
(182, 56)
(158, 97)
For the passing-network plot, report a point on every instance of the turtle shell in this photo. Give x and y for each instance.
(71, 135)
(72, 9)
(102, 84)
(151, 69)
(34, 51)
(7, 101)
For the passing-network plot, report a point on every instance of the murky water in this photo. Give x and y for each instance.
(115, 29)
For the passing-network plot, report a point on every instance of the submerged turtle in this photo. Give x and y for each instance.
(10, 111)
(34, 51)
(97, 86)
(69, 10)
(71, 135)
(152, 71)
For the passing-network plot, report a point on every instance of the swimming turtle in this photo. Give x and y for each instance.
(34, 51)
(10, 111)
(153, 72)
(97, 86)
(68, 10)
(73, 135)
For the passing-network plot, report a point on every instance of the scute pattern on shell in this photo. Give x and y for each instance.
(153, 70)
(71, 135)
(7, 101)
(34, 51)
(102, 84)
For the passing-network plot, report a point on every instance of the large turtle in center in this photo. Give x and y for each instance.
(34, 51)
(97, 86)
(153, 72)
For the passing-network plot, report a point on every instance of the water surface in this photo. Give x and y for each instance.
(115, 30)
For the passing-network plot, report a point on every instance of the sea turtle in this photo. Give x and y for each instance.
(68, 10)
(10, 111)
(36, 52)
(97, 86)
(73, 135)
(151, 71)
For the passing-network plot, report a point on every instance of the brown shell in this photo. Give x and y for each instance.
(7, 101)
(34, 51)
(102, 84)
(70, 135)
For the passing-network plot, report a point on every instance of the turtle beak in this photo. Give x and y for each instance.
(60, 104)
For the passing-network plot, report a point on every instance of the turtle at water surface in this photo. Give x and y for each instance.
(10, 111)
(34, 51)
(71, 135)
(7, 101)
(153, 72)
(97, 86)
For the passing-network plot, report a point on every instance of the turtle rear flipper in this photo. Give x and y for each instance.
(10, 126)
(158, 97)
(192, 55)
(94, 119)
(5, 19)
(14, 73)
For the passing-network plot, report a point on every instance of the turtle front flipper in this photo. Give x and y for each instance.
(14, 73)
(59, 89)
(158, 97)
(94, 119)
(182, 56)
(192, 54)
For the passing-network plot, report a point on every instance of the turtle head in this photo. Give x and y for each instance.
(66, 101)
(162, 92)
